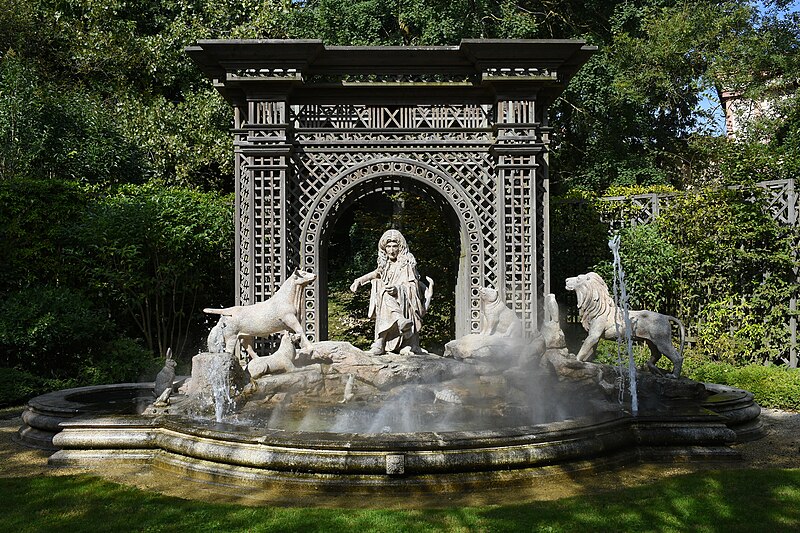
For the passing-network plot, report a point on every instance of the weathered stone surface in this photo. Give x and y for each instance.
(262, 319)
(552, 334)
(389, 370)
(215, 370)
(569, 368)
(308, 379)
(499, 352)
(668, 388)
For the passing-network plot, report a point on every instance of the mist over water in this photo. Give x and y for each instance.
(523, 392)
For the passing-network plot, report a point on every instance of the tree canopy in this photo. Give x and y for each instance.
(108, 130)
(78, 76)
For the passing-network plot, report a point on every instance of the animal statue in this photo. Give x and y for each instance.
(447, 396)
(348, 389)
(278, 313)
(216, 337)
(163, 398)
(165, 376)
(496, 318)
(598, 315)
(551, 330)
(279, 361)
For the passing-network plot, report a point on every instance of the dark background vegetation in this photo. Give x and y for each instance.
(116, 167)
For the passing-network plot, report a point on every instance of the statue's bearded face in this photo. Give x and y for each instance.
(392, 249)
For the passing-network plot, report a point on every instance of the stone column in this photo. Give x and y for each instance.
(262, 151)
(521, 201)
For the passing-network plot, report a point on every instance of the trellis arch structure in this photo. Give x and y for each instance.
(393, 175)
(316, 127)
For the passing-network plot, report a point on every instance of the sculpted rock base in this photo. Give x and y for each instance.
(499, 352)
(214, 374)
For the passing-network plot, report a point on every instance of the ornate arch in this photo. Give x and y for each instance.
(387, 174)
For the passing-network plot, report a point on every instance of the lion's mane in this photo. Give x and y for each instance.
(594, 299)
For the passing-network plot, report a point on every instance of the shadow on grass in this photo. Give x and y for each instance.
(736, 500)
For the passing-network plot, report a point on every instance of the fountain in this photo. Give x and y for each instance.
(493, 409)
(316, 129)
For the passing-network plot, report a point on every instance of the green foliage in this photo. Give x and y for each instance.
(736, 271)
(578, 241)
(182, 144)
(101, 93)
(773, 387)
(47, 129)
(35, 220)
(650, 264)
(58, 334)
(716, 259)
(18, 386)
(158, 254)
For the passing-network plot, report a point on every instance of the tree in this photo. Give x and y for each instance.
(158, 255)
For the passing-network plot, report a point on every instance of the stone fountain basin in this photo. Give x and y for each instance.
(44, 414)
(95, 426)
(105, 437)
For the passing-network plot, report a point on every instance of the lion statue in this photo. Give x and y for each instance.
(598, 314)
(496, 317)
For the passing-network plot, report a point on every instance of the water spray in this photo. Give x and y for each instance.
(623, 312)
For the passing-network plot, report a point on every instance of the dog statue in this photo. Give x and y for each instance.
(275, 363)
(496, 318)
(278, 313)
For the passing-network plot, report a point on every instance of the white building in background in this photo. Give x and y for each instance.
(741, 112)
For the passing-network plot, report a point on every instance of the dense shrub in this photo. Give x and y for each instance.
(716, 259)
(57, 334)
(650, 264)
(35, 221)
(59, 131)
(157, 255)
(17, 386)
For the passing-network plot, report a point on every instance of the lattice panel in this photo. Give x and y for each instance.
(261, 194)
(267, 228)
(518, 189)
(782, 200)
(365, 138)
(516, 112)
(475, 170)
(640, 208)
(435, 117)
(244, 206)
(243, 222)
(393, 78)
(267, 112)
(322, 183)
(343, 151)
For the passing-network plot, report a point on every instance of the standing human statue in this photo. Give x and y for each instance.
(399, 299)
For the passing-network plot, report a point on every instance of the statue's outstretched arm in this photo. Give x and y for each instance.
(363, 279)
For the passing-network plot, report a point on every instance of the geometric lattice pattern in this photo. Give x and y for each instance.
(316, 128)
(343, 151)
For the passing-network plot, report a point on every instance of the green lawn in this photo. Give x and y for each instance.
(733, 500)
